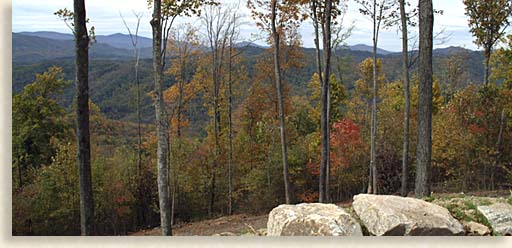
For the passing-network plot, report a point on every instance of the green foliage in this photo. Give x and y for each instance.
(488, 20)
(502, 67)
(338, 96)
(37, 122)
(50, 205)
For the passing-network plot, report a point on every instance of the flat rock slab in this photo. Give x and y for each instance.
(386, 215)
(499, 216)
(311, 219)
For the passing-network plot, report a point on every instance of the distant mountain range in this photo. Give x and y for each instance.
(117, 40)
(44, 45)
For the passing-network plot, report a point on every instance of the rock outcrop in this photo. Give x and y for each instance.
(476, 229)
(400, 216)
(499, 216)
(311, 219)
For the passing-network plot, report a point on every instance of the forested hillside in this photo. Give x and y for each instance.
(113, 84)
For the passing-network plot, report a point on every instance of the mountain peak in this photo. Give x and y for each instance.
(366, 48)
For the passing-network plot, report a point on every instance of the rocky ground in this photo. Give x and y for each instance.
(474, 214)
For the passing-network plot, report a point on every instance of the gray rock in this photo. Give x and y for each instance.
(400, 216)
(476, 229)
(311, 219)
(499, 216)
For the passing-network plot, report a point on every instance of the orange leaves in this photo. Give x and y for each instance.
(345, 141)
(473, 128)
(309, 196)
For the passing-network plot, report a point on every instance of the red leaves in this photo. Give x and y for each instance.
(473, 128)
(345, 141)
(309, 196)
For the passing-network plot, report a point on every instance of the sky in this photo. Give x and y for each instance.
(30, 15)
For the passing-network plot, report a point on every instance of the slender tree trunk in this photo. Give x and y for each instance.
(324, 124)
(161, 121)
(322, 176)
(178, 148)
(405, 66)
(487, 55)
(82, 114)
(139, 148)
(140, 205)
(216, 118)
(424, 150)
(373, 135)
(140, 195)
(230, 130)
(280, 101)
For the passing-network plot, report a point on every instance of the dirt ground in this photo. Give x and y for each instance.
(244, 223)
(237, 224)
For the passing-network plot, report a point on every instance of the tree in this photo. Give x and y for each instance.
(277, 68)
(405, 66)
(378, 11)
(488, 21)
(37, 119)
(82, 118)
(218, 28)
(161, 123)
(502, 71)
(136, 54)
(77, 22)
(275, 19)
(183, 47)
(424, 147)
(233, 36)
(321, 16)
(164, 14)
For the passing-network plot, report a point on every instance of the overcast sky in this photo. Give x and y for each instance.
(30, 15)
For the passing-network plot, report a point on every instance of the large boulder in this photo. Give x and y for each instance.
(400, 216)
(311, 219)
(499, 216)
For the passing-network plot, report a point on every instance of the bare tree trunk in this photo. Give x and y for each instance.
(324, 123)
(424, 150)
(82, 115)
(322, 176)
(405, 65)
(277, 68)
(487, 55)
(178, 135)
(373, 132)
(140, 195)
(161, 121)
(230, 129)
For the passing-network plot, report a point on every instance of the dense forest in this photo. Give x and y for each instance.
(242, 128)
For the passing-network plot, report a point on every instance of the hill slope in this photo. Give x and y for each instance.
(111, 69)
